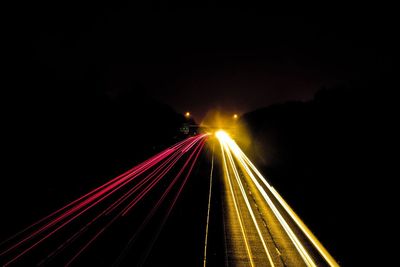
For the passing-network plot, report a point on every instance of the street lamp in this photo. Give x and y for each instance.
(187, 114)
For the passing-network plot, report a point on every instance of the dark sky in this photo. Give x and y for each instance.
(196, 60)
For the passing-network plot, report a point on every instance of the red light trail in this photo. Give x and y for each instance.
(121, 194)
(196, 152)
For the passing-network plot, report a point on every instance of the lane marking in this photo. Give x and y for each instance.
(208, 208)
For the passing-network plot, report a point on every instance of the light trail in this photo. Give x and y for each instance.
(321, 249)
(245, 238)
(129, 172)
(230, 148)
(116, 199)
(208, 208)
(153, 170)
(122, 255)
(112, 208)
(95, 194)
(239, 182)
(150, 186)
(303, 252)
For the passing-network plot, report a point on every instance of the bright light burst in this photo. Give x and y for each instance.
(232, 155)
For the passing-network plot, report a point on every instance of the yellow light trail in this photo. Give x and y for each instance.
(237, 177)
(321, 249)
(237, 209)
(229, 146)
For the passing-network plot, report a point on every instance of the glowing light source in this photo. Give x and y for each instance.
(222, 136)
(187, 114)
(235, 116)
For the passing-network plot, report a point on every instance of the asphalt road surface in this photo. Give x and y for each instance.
(217, 211)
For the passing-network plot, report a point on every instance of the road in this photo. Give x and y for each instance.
(190, 205)
(259, 228)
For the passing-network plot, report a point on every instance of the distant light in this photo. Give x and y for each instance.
(235, 116)
(187, 114)
(222, 135)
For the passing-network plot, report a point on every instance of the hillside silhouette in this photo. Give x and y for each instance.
(323, 156)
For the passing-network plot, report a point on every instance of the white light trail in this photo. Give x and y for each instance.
(229, 147)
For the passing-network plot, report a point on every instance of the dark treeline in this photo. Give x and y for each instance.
(61, 138)
(323, 156)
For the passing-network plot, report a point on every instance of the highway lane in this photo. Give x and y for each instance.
(260, 228)
(248, 239)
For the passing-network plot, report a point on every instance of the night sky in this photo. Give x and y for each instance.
(234, 60)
